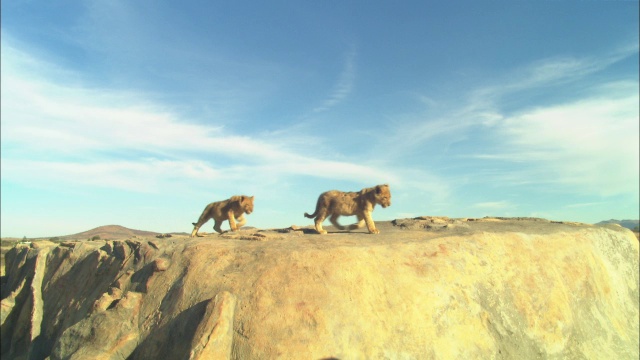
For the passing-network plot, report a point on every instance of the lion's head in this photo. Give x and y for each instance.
(383, 195)
(246, 203)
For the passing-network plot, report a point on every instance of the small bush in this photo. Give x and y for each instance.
(97, 237)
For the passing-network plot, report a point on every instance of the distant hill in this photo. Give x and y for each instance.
(109, 232)
(629, 224)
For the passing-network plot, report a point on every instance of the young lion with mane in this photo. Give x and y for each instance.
(336, 203)
(232, 209)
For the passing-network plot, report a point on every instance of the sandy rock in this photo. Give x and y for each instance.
(42, 244)
(430, 223)
(294, 230)
(107, 247)
(495, 288)
(23, 308)
(112, 334)
(160, 264)
(214, 336)
(247, 235)
(107, 299)
(9, 302)
(121, 250)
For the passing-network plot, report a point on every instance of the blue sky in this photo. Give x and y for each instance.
(141, 113)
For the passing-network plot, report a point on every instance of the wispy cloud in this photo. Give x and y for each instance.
(493, 205)
(543, 74)
(143, 175)
(344, 85)
(591, 144)
(104, 138)
(584, 205)
(587, 142)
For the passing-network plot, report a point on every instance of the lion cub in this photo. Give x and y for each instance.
(335, 203)
(232, 209)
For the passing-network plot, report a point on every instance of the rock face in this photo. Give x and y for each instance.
(424, 288)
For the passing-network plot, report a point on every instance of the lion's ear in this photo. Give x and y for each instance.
(378, 189)
(242, 198)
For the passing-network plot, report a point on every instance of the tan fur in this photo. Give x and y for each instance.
(336, 203)
(232, 209)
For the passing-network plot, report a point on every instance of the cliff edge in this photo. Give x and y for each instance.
(424, 288)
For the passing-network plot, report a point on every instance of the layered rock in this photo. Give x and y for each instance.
(424, 288)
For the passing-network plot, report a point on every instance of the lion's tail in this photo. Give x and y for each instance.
(315, 213)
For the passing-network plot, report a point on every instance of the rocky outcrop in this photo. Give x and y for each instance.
(430, 287)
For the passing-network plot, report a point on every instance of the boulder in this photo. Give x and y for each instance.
(424, 288)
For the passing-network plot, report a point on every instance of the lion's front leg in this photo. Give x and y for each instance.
(370, 224)
(241, 221)
(232, 221)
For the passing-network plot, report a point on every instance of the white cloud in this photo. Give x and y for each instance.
(145, 176)
(60, 132)
(591, 143)
(588, 143)
(483, 105)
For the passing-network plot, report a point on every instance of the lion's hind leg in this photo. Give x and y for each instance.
(216, 226)
(318, 222)
(195, 230)
(196, 226)
(207, 214)
(334, 221)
